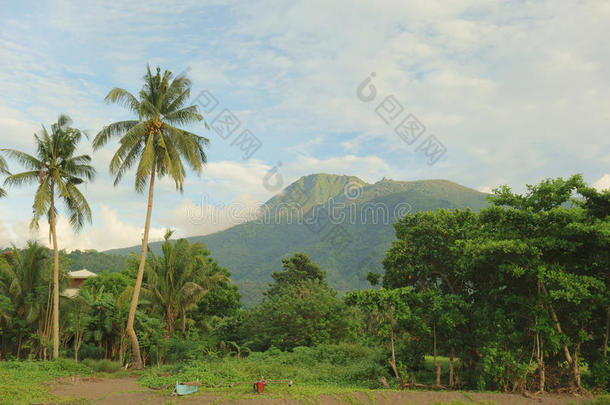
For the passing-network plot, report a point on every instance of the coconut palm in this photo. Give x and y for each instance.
(58, 172)
(3, 170)
(178, 280)
(156, 147)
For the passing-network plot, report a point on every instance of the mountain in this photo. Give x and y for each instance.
(343, 223)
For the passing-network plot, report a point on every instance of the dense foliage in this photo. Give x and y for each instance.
(511, 298)
(94, 261)
(184, 287)
(518, 292)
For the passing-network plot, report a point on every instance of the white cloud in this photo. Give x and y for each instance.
(194, 218)
(111, 232)
(516, 92)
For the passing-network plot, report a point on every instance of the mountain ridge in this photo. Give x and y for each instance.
(341, 222)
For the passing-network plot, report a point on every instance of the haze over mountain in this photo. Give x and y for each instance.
(343, 223)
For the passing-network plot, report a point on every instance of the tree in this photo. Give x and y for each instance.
(78, 318)
(306, 314)
(425, 257)
(58, 172)
(3, 170)
(25, 277)
(299, 267)
(571, 247)
(178, 280)
(520, 288)
(300, 309)
(157, 146)
(394, 314)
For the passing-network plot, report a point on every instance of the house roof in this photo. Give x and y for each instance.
(84, 273)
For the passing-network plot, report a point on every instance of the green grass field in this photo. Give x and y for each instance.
(346, 373)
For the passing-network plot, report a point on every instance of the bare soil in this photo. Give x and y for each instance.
(119, 391)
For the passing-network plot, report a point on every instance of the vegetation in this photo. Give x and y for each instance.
(276, 238)
(510, 294)
(58, 172)
(21, 382)
(94, 261)
(519, 292)
(157, 146)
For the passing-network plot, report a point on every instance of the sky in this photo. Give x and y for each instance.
(505, 92)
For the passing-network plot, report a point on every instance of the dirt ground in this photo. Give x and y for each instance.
(119, 391)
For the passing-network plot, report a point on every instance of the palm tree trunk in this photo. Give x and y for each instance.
(55, 283)
(136, 289)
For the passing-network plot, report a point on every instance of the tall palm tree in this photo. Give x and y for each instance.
(178, 280)
(156, 146)
(3, 170)
(58, 172)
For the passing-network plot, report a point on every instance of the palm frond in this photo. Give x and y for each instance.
(112, 130)
(190, 146)
(146, 165)
(26, 160)
(19, 179)
(184, 116)
(124, 98)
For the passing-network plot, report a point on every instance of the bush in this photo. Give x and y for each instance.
(341, 365)
(600, 373)
(89, 351)
(180, 350)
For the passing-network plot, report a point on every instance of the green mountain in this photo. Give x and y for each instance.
(343, 223)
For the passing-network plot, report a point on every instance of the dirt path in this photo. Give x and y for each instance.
(126, 391)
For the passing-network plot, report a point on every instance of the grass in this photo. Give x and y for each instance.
(350, 374)
(344, 366)
(22, 382)
(600, 400)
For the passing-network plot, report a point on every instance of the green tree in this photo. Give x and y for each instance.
(296, 269)
(156, 146)
(524, 281)
(425, 257)
(178, 280)
(395, 315)
(79, 308)
(223, 299)
(299, 309)
(306, 314)
(570, 239)
(59, 172)
(25, 276)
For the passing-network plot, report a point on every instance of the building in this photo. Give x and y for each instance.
(77, 278)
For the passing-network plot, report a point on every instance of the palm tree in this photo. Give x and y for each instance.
(178, 280)
(157, 147)
(58, 172)
(3, 170)
(24, 276)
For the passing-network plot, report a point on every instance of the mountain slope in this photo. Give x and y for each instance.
(341, 222)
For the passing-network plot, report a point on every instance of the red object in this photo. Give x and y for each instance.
(260, 385)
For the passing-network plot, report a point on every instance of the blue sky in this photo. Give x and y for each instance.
(515, 91)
